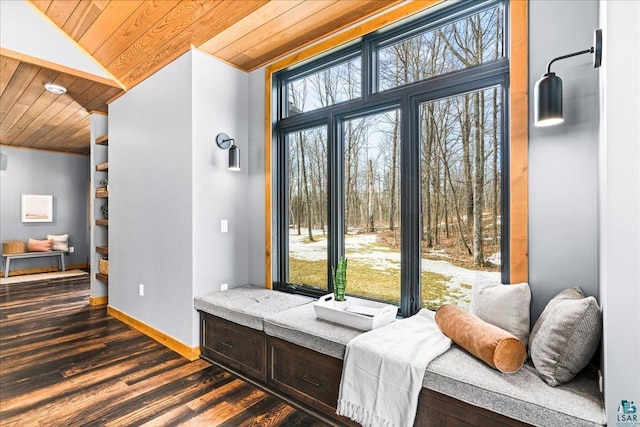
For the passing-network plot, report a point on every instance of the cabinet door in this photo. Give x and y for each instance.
(435, 410)
(241, 348)
(306, 375)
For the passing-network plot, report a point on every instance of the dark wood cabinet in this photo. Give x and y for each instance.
(310, 377)
(438, 410)
(238, 346)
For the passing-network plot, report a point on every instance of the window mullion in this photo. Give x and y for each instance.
(368, 70)
(410, 300)
(335, 150)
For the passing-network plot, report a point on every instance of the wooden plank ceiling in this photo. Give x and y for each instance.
(133, 39)
(32, 117)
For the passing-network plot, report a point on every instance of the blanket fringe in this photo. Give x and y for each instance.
(360, 415)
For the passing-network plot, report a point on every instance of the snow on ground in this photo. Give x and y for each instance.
(364, 248)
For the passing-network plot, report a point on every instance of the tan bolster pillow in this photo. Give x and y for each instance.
(496, 347)
(39, 245)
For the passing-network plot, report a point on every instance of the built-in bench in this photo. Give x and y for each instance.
(9, 257)
(304, 361)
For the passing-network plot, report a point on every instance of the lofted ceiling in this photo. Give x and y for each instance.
(32, 117)
(133, 39)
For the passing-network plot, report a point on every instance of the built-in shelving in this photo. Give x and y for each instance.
(100, 240)
(103, 167)
(102, 193)
(103, 140)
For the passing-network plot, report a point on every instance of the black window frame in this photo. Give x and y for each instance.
(408, 99)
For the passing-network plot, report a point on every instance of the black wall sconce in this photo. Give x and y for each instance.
(225, 142)
(548, 90)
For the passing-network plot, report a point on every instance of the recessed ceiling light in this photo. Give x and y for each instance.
(58, 90)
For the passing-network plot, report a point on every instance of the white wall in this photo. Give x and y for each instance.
(256, 184)
(169, 189)
(619, 204)
(563, 159)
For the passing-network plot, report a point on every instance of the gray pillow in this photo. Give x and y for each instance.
(505, 306)
(565, 336)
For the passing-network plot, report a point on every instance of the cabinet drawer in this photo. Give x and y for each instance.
(242, 348)
(306, 375)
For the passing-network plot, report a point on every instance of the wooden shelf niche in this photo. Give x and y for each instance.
(103, 140)
(103, 167)
(102, 247)
(102, 193)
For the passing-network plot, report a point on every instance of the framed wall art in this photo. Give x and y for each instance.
(37, 208)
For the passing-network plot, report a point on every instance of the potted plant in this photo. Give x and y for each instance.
(105, 182)
(340, 281)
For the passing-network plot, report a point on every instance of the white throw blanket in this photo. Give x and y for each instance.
(383, 371)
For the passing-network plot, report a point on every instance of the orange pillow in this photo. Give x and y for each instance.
(39, 245)
(496, 347)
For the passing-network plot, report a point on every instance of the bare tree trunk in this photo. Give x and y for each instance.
(496, 177)
(427, 119)
(435, 174)
(478, 182)
(306, 187)
(394, 164)
(447, 172)
(370, 214)
(466, 142)
(298, 204)
(349, 137)
(455, 205)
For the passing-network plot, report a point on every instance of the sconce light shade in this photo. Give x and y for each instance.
(547, 92)
(225, 142)
(234, 158)
(548, 100)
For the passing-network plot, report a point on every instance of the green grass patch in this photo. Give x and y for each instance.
(383, 285)
(316, 238)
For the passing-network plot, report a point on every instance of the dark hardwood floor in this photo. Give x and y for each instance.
(65, 363)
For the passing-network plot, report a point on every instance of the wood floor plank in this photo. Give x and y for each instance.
(66, 363)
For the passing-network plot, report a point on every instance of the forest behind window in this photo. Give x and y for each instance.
(406, 180)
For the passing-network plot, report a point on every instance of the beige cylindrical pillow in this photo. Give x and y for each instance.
(496, 347)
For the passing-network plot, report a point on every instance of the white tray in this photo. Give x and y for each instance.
(355, 312)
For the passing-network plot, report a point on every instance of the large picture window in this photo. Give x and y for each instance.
(394, 153)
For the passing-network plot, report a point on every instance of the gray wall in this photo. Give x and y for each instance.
(219, 105)
(256, 186)
(150, 199)
(169, 189)
(65, 176)
(619, 204)
(563, 159)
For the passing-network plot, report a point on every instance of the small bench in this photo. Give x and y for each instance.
(458, 389)
(9, 257)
